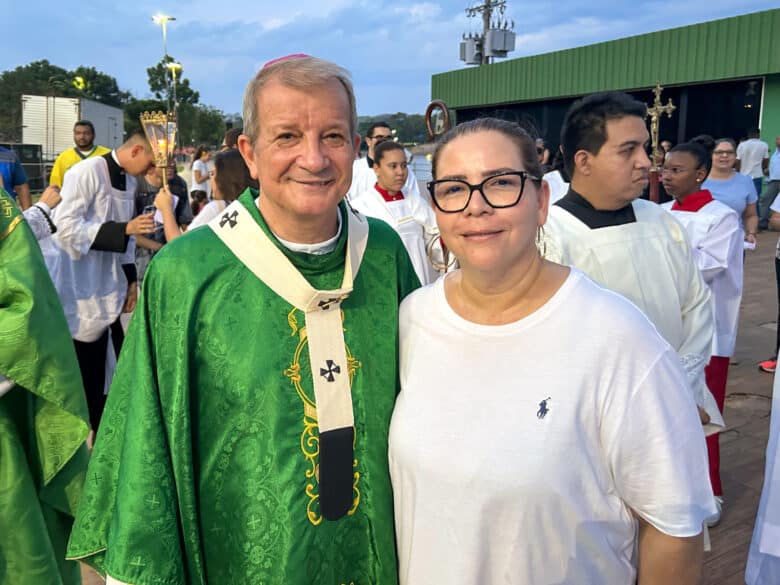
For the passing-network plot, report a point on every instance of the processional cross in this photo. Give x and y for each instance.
(655, 112)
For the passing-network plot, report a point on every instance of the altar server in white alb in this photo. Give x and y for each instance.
(763, 564)
(506, 467)
(363, 177)
(716, 241)
(627, 244)
(410, 215)
(91, 256)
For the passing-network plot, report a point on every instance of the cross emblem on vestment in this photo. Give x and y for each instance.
(229, 218)
(153, 501)
(329, 371)
(253, 522)
(137, 562)
(325, 305)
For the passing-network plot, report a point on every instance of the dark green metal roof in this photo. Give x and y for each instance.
(741, 46)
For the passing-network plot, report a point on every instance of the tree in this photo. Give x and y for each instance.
(100, 87)
(200, 124)
(160, 79)
(134, 108)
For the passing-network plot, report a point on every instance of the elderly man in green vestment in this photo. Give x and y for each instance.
(245, 435)
(43, 415)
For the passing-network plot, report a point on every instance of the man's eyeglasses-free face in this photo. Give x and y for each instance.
(499, 191)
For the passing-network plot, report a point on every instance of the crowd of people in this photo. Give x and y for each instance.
(331, 377)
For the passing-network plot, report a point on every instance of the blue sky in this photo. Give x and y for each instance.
(391, 48)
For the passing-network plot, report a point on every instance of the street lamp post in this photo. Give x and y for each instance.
(162, 20)
(174, 68)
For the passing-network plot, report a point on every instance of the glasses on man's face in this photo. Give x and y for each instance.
(499, 191)
(380, 137)
(723, 152)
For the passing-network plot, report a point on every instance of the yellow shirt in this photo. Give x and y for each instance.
(69, 158)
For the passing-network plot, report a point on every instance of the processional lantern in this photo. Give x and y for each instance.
(160, 129)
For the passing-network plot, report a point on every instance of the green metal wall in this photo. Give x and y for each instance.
(770, 115)
(742, 46)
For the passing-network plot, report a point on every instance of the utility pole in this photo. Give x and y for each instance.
(486, 9)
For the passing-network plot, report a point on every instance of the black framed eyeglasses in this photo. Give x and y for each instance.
(499, 191)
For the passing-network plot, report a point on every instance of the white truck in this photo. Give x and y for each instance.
(49, 121)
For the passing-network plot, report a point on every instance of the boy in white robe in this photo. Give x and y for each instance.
(91, 256)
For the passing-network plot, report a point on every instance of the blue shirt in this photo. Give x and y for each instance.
(11, 170)
(737, 192)
(774, 166)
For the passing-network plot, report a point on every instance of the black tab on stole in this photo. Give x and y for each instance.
(336, 472)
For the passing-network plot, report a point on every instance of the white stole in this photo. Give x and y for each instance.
(327, 351)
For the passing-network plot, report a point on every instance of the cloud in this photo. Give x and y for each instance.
(418, 13)
(392, 47)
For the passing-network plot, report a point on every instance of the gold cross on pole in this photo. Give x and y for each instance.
(654, 113)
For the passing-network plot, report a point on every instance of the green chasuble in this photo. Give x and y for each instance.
(206, 464)
(43, 417)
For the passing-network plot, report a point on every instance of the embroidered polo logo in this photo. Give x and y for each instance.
(229, 218)
(543, 410)
(329, 371)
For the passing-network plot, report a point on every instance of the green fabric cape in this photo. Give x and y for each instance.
(205, 466)
(43, 419)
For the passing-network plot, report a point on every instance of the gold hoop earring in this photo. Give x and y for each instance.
(448, 259)
(541, 241)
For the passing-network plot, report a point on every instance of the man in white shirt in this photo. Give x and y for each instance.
(772, 186)
(753, 161)
(91, 257)
(627, 244)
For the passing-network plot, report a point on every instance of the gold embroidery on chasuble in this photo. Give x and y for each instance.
(7, 220)
(300, 376)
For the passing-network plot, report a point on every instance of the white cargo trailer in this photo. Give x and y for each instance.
(49, 121)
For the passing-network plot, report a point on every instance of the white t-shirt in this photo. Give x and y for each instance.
(751, 154)
(517, 452)
(211, 210)
(203, 168)
(775, 206)
(650, 262)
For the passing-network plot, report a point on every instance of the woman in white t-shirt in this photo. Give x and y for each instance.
(200, 170)
(541, 418)
(229, 179)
